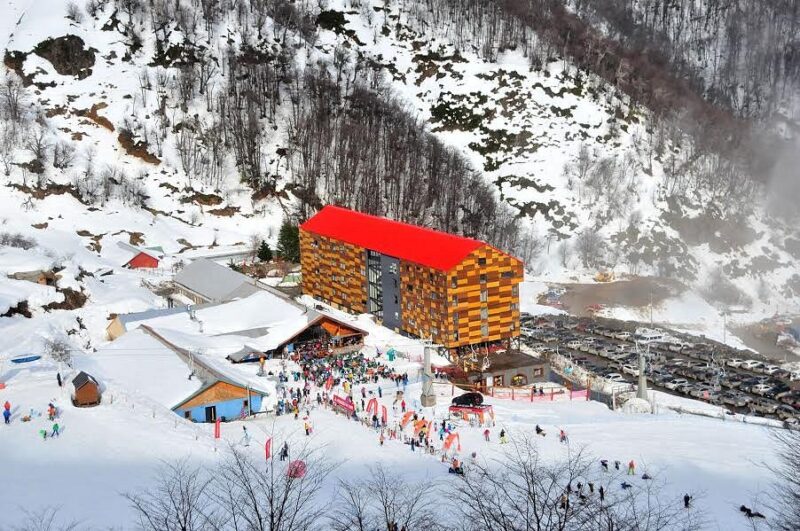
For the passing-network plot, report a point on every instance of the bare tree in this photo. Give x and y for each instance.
(590, 248)
(786, 492)
(179, 500)
(74, 12)
(254, 496)
(45, 519)
(385, 502)
(59, 350)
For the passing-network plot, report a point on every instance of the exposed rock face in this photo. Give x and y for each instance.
(68, 55)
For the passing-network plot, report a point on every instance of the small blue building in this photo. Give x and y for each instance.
(221, 399)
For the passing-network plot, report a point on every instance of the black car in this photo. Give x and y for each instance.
(468, 399)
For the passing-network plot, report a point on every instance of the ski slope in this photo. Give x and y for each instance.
(118, 447)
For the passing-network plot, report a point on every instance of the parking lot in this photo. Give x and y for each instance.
(677, 363)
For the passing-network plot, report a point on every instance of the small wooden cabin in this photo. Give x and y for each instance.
(87, 390)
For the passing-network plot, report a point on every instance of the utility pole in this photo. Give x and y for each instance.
(427, 398)
(642, 390)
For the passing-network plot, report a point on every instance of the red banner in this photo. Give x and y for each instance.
(216, 428)
(344, 404)
(268, 447)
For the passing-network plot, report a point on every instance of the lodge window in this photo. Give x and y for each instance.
(519, 380)
(393, 268)
(482, 261)
(483, 278)
(315, 243)
(434, 295)
(514, 306)
(484, 313)
(455, 318)
(507, 274)
(484, 295)
(513, 326)
(484, 329)
(435, 332)
(538, 371)
(410, 287)
(454, 282)
(244, 403)
(455, 299)
(515, 290)
(187, 414)
(455, 335)
(430, 277)
(395, 299)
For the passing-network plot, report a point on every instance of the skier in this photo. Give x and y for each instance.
(604, 464)
(591, 487)
(485, 433)
(646, 476)
(380, 393)
(564, 503)
(748, 512)
(43, 433)
(625, 485)
(58, 378)
(403, 406)
(631, 468)
(562, 437)
(56, 432)
(540, 431)
(245, 437)
(381, 439)
(284, 455)
(686, 500)
(616, 465)
(7, 416)
(503, 439)
(602, 492)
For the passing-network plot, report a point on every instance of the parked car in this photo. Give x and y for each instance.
(778, 390)
(770, 369)
(630, 369)
(750, 365)
(622, 336)
(764, 406)
(614, 377)
(734, 362)
(468, 399)
(760, 389)
(784, 412)
(527, 331)
(734, 399)
(702, 391)
(675, 383)
(573, 344)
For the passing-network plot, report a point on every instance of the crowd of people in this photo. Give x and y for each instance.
(53, 413)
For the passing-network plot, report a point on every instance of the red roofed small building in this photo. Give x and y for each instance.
(458, 291)
(142, 261)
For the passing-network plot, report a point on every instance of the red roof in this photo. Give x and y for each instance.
(419, 245)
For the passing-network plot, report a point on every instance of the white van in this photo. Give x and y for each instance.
(644, 335)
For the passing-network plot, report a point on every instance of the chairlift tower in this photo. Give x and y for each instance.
(428, 397)
(642, 387)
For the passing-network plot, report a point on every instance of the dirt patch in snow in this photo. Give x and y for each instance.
(50, 189)
(226, 212)
(94, 116)
(136, 149)
(635, 293)
(95, 245)
(203, 199)
(134, 238)
(72, 300)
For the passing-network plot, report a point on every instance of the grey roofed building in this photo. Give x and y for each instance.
(206, 281)
(152, 314)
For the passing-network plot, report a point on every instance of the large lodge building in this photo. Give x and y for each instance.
(457, 291)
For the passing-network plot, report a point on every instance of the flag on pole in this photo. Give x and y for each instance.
(216, 428)
(268, 447)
